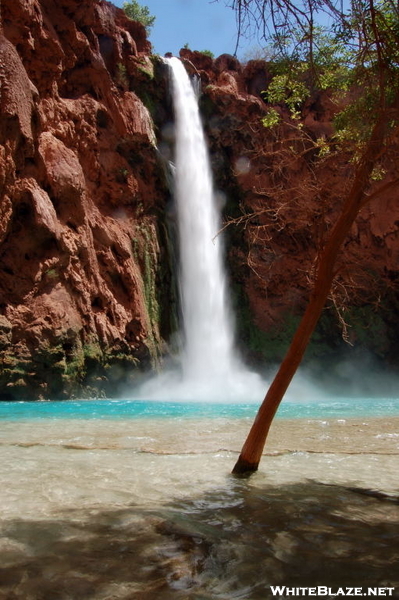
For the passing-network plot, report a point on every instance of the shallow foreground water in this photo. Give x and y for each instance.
(102, 503)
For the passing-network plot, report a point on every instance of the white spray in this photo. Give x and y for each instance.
(208, 337)
(210, 368)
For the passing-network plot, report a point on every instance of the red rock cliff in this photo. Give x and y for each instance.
(86, 294)
(79, 188)
(283, 199)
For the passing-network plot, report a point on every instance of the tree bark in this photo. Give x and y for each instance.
(251, 452)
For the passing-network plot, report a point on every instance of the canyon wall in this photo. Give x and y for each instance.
(87, 292)
(83, 194)
(282, 194)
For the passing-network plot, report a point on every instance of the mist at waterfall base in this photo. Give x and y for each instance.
(208, 367)
(133, 500)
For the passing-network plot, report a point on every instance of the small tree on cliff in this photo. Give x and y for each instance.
(137, 12)
(370, 34)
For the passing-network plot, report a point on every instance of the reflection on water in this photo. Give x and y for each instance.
(147, 509)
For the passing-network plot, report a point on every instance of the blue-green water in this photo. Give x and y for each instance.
(135, 409)
(134, 499)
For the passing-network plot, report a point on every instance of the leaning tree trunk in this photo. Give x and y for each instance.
(251, 453)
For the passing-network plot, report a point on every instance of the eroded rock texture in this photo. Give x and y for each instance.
(283, 199)
(81, 188)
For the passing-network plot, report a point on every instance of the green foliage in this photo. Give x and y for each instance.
(354, 122)
(373, 39)
(358, 60)
(146, 68)
(52, 273)
(149, 102)
(323, 146)
(137, 12)
(92, 352)
(145, 253)
(288, 88)
(356, 55)
(296, 74)
(121, 75)
(121, 175)
(208, 53)
(271, 119)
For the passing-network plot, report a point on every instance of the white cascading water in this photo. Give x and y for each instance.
(210, 368)
(208, 334)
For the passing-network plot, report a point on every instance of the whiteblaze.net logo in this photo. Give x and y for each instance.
(322, 590)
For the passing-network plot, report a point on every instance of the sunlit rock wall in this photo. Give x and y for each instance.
(82, 193)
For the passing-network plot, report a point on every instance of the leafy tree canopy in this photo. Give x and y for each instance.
(137, 12)
(358, 52)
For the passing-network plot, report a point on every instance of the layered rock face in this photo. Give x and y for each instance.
(282, 199)
(87, 296)
(81, 188)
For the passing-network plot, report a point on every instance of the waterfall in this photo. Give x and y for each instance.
(207, 329)
(209, 366)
